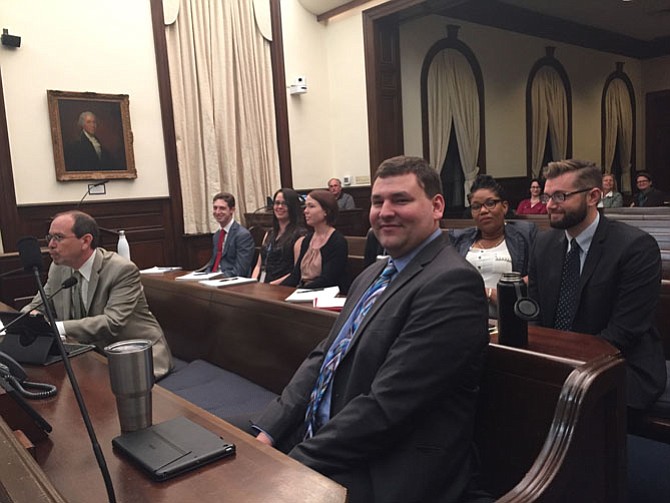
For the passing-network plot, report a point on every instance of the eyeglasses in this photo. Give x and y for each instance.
(559, 197)
(57, 237)
(489, 204)
(280, 203)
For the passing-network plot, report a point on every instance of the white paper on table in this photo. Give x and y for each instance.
(235, 280)
(309, 294)
(159, 270)
(198, 276)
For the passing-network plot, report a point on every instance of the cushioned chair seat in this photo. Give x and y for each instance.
(216, 390)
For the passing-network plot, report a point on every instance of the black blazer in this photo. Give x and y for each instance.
(618, 291)
(519, 237)
(404, 395)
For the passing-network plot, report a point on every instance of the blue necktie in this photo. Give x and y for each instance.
(567, 300)
(339, 347)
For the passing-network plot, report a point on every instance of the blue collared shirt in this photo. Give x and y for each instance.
(584, 241)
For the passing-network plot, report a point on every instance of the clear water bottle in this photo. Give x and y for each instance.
(122, 247)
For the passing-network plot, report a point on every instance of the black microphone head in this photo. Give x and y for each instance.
(30, 254)
(68, 283)
(101, 182)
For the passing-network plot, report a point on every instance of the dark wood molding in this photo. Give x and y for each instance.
(279, 91)
(9, 218)
(339, 10)
(382, 63)
(169, 135)
(618, 73)
(548, 60)
(452, 42)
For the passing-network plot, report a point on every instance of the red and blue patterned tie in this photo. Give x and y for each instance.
(339, 347)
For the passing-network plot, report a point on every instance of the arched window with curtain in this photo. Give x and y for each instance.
(548, 114)
(452, 105)
(618, 127)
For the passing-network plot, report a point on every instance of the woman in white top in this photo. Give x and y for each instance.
(494, 247)
(610, 197)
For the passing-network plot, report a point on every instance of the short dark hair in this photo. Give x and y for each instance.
(645, 174)
(427, 177)
(83, 224)
(327, 202)
(489, 183)
(227, 197)
(588, 174)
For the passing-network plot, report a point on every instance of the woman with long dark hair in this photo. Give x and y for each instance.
(281, 246)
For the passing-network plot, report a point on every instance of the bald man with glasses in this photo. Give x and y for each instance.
(599, 276)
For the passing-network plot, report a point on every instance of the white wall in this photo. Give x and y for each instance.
(506, 59)
(104, 46)
(328, 126)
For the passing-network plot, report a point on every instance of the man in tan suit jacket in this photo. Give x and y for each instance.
(113, 307)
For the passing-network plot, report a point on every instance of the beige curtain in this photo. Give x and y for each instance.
(221, 81)
(549, 112)
(453, 95)
(619, 125)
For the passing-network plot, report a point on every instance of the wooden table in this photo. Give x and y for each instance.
(257, 473)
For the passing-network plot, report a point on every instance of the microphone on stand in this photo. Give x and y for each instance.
(31, 259)
(68, 283)
(90, 186)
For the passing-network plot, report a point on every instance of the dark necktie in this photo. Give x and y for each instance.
(78, 309)
(219, 250)
(567, 300)
(339, 347)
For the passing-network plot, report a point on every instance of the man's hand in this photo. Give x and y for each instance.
(262, 437)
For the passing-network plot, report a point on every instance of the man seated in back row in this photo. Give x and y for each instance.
(107, 303)
(599, 276)
(344, 200)
(233, 245)
(385, 404)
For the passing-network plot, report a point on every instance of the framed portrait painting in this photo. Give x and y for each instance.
(91, 136)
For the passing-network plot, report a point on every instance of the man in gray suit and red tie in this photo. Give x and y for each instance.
(233, 245)
(599, 276)
(385, 404)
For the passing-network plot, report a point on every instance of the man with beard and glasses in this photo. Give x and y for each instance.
(599, 276)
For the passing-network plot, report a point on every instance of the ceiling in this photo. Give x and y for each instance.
(636, 28)
(641, 19)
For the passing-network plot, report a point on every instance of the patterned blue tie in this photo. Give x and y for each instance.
(340, 345)
(567, 300)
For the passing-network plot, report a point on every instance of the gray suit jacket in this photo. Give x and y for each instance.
(404, 395)
(618, 291)
(238, 252)
(116, 307)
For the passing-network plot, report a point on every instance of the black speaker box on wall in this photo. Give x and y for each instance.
(10, 40)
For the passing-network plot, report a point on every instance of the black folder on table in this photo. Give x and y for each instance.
(173, 447)
(31, 340)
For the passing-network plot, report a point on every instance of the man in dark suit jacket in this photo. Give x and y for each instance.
(233, 245)
(648, 196)
(87, 154)
(113, 306)
(620, 277)
(396, 421)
